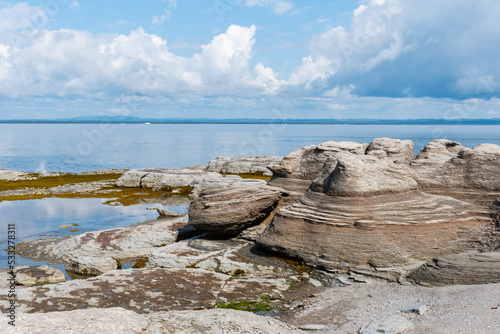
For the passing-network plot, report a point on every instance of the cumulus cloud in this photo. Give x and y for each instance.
(70, 63)
(400, 48)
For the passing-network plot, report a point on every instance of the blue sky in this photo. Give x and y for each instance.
(391, 59)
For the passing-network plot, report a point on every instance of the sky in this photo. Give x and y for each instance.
(339, 59)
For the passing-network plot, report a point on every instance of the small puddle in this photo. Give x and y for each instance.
(56, 217)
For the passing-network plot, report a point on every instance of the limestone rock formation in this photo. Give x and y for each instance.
(161, 178)
(366, 212)
(298, 169)
(465, 268)
(39, 275)
(243, 164)
(119, 320)
(398, 151)
(230, 210)
(447, 164)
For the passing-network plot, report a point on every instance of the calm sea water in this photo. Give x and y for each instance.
(85, 147)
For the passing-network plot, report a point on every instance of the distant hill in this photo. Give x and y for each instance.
(134, 120)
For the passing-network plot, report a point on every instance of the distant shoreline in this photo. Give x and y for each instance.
(134, 120)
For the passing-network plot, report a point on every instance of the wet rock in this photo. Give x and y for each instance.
(145, 291)
(161, 178)
(243, 164)
(230, 210)
(40, 275)
(119, 320)
(394, 324)
(465, 268)
(395, 150)
(167, 213)
(97, 249)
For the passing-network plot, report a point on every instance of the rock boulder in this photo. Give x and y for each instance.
(243, 164)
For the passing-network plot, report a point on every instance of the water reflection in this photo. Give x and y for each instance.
(35, 219)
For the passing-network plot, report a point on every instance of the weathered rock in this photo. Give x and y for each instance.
(243, 164)
(224, 256)
(396, 150)
(394, 324)
(161, 178)
(465, 268)
(119, 320)
(312, 328)
(144, 291)
(12, 175)
(365, 212)
(85, 250)
(167, 213)
(92, 265)
(495, 212)
(447, 164)
(40, 275)
(298, 169)
(230, 210)
(417, 309)
(354, 175)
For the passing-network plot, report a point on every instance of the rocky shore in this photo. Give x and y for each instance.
(339, 237)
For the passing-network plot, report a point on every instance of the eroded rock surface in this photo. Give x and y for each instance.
(96, 252)
(243, 164)
(161, 178)
(465, 268)
(230, 210)
(145, 291)
(39, 275)
(447, 164)
(119, 320)
(395, 150)
(365, 211)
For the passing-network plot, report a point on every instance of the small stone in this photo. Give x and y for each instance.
(32, 276)
(152, 208)
(314, 328)
(296, 304)
(167, 213)
(343, 280)
(315, 282)
(360, 278)
(418, 309)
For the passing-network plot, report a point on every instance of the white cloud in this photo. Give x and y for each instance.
(71, 63)
(280, 7)
(409, 48)
(160, 19)
(74, 4)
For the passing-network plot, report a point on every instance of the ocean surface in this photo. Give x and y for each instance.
(85, 147)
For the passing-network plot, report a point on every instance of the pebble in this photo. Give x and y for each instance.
(314, 328)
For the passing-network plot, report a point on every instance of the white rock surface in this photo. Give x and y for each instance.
(243, 164)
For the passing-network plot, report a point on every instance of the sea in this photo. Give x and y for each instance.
(76, 148)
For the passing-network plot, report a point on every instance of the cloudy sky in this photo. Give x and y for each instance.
(391, 59)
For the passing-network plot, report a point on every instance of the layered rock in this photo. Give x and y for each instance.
(466, 268)
(144, 291)
(230, 210)
(119, 320)
(363, 211)
(96, 252)
(298, 169)
(447, 164)
(243, 165)
(172, 178)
